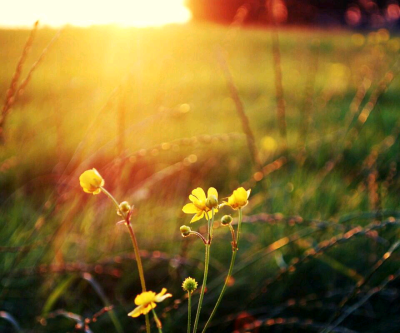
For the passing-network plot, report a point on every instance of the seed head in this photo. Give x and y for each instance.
(189, 285)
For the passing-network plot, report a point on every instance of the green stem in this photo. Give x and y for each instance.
(158, 322)
(135, 248)
(137, 256)
(221, 295)
(203, 287)
(147, 322)
(212, 224)
(111, 197)
(189, 310)
(239, 229)
(233, 258)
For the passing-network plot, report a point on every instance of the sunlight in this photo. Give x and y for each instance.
(137, 13)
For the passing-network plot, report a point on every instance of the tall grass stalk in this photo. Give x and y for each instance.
(276, 53)
(10, 95)
(251, 143)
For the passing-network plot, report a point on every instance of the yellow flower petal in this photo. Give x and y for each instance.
(199, 194)
(136, 311)
(212, 191)
(189, 209)
(148, 308)
(238, 199)
(145, 297)
(199, 204)
(197, 217)
(240, 194)
(160, 296)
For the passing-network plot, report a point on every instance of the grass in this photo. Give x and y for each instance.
(165, 91)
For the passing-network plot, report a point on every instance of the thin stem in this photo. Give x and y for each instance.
(158, 322)
(135, 248)
(221, 295)
(212, 224)
(200, 236)
(209, 228)
(228, 277)
(111, 197)
(203, 287)
(140, 267)
(234, 243)
(133, 238)
(137, 256)
(206, 262)
(239, 229)
(146, 316)
(189, 310)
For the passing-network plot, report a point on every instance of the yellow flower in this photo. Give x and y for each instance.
(198, 205)
(146, 302)
(238, 199)
(91, 181)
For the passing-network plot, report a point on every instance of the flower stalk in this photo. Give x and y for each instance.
(206, 264)
(158, 322)
(203, 287)
(189, 310)
(235, 248)
(127, 218)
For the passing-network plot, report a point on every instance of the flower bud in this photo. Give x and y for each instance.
(189, 285)
(226, 220)
(185, 230)
(91, 181)
(124, 207)
(212, 202)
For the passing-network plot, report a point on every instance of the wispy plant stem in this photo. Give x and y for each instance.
(203, 287)
(158, 322)
(135, 248)
(189, 310)
(206, 264)
(10, 94)
(221, 295)
(137, 255)
(251, 143)
(276, 53)
(239, 229)
(228, 277)
(111, 197)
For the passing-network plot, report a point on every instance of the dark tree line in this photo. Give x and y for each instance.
(356, 13)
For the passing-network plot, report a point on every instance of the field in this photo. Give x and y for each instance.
(160, 112)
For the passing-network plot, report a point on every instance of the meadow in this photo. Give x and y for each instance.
(159, 112)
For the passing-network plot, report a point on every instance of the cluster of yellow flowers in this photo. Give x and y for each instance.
(201, 206)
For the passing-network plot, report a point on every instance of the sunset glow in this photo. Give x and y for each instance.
(138, 13)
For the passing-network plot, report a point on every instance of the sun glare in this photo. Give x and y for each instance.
(138, 13)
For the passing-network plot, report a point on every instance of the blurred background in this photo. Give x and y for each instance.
(296, 100)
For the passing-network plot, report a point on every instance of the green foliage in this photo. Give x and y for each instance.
(117, 100)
